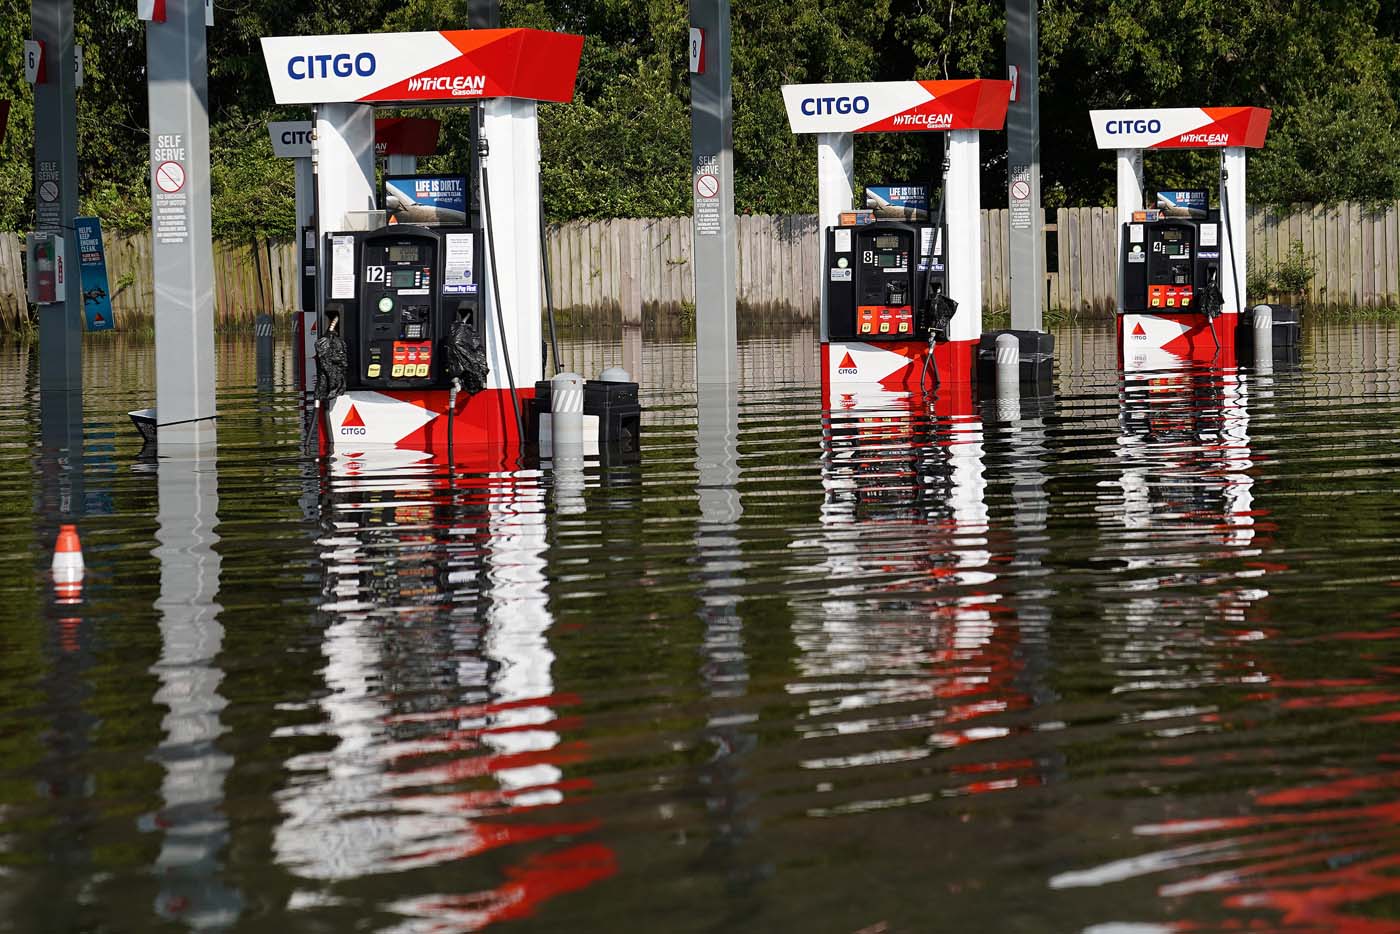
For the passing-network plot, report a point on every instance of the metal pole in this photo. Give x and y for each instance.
(56, 194)
(1027, 241)
(183, 253)
(712, 187)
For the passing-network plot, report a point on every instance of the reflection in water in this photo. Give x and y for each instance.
(1111, 662)
(191, 821)
(724, 674)
(446, 726)
(912, 653)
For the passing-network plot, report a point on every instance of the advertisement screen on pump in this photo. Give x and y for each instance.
(427, 200)
(1188, 202)
(898, 202)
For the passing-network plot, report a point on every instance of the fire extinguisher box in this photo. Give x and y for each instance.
(44, 254)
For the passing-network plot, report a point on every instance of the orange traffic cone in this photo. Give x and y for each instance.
(68, 565)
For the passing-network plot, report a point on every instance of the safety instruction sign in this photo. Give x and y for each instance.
(458, 276)
(169, 196)
(92, 274)
(48, 213)
(707, 200)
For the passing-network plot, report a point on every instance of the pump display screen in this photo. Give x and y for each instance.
(886, 243)
(887, 260)
(403, 254)
(402, 278)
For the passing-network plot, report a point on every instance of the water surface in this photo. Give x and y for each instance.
(1119, 660)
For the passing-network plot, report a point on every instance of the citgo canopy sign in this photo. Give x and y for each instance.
(1181, 127)
(897, 106)
(422, 67)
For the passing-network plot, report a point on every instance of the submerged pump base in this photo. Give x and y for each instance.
(612, 417)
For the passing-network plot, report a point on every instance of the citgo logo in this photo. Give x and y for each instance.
(302, 67)
(353, 424)
(1139, 332)
(847, 366)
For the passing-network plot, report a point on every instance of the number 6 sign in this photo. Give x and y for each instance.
(34, 62)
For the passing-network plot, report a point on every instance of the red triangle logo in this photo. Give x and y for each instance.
(352, 419)
(846, 362)
(97, 318)
(1138, 330)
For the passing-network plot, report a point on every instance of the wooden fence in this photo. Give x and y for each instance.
(625, 268)
(248, 279)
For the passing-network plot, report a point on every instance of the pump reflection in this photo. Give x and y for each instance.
(911, 661)
(448, 740)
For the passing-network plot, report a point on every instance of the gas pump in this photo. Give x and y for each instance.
(885, 282)
(1172, 265)
(901, 302)
(409, 293)
(422, 307)
(1181, 264)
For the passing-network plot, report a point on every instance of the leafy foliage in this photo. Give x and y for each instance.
(1330, 69)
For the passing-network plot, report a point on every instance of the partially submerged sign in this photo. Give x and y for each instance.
(898, 106)
(1181, 127)
(423, 67)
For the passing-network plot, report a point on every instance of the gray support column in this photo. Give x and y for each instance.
(182, 247)
(712, 188)
(1027, 240)
(56, 195)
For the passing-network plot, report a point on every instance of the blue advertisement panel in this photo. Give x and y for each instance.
(428, 200)
(898, 202)
(1188, 202)
(92, 268)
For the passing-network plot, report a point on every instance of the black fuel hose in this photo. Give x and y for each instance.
(548, 292)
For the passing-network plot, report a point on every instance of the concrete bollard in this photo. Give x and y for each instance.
(615, 374)
(566, 410)
(1008, 366)
(566, 442)
(1263, 338)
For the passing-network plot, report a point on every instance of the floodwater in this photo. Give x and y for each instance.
(1125, 660)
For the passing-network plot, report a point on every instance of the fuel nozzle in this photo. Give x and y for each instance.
(938, 313)
(1212, 301)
